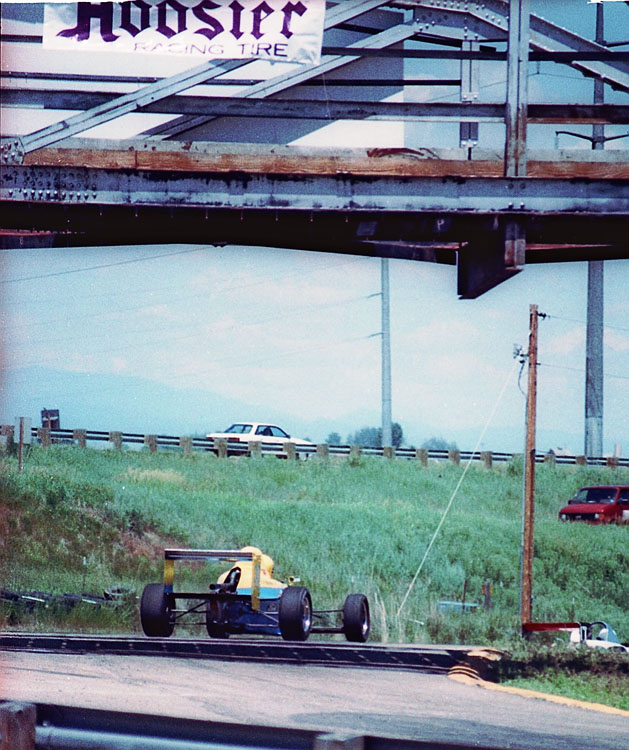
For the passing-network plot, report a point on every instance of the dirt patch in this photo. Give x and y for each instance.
(149, 545)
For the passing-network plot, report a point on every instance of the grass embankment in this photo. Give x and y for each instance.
(340, 526)
(581, 674)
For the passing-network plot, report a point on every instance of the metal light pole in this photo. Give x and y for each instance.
(387, 439)
(594, 335)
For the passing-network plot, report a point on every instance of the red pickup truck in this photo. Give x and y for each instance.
(600, 504)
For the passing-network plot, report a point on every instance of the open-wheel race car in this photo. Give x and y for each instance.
(246, 599)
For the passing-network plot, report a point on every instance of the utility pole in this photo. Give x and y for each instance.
(387, 440)
(528, 509)
(594, 335)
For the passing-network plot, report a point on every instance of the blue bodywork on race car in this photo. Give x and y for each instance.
(246, 599)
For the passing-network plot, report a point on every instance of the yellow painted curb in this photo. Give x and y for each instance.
(470, 679)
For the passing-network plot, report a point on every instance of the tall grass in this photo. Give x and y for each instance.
(339, 526)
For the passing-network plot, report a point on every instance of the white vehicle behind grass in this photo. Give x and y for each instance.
(240, 434)
(597, 635)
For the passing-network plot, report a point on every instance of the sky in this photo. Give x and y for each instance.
(184, 340)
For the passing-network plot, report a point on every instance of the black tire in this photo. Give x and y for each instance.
(156, 612)
(295, 615)
(356, 621)
(213, 620)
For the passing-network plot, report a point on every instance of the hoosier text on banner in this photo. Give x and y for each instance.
(275, 30)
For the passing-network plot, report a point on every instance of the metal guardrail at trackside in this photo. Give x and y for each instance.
(187, 444)
(69, 728)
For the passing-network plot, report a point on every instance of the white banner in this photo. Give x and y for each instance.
(268, 29)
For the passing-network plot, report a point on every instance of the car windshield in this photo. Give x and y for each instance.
(595, 495)
(239, 428)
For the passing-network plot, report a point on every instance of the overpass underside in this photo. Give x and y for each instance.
(221, 169)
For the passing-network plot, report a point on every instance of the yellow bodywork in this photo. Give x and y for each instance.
(256, 569)
(249, 578)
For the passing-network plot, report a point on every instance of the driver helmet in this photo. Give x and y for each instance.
(266, 562)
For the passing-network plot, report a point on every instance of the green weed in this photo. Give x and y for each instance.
(82, 520)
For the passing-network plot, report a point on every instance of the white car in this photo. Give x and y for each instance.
(597, 635)
(243, 433)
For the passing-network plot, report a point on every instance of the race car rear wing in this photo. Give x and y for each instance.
(170, 555)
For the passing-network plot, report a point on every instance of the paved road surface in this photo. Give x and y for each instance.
(380, 702)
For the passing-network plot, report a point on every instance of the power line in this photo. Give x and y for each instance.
(96, 268)
(258, 323)
(186, 297)
(581, 370)
(584, 323)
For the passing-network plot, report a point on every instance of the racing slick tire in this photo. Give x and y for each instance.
(295, 615)
(213, 616)
(356, 620)
(156, 612)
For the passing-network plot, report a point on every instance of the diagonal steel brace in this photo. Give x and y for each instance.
(12, 150)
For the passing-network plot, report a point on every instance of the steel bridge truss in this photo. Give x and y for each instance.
(221, 169)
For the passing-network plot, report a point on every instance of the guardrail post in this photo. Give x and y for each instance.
(323, 451)
(487, 459)
(255, 449)
(220, 446)
(580, 460)
(17, 725)
(421, 454)
(355, 451)
(43, 435)
(388, 451)
(339, 741)
(291, 451)
(151, 441)
(80, 436)
(116, 439)
(611, 462)
(6, 430)
(186, 445)
(550, 459)
(454, 456)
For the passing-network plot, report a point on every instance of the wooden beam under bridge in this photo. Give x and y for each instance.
(176, 156)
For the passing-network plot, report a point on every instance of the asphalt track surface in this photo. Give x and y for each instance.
(412, 705)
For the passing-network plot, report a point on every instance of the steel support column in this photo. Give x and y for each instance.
(517, 89)
(593, 440)
(387, 437)
(594, 362)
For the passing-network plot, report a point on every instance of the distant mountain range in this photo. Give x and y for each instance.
(130, 404)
